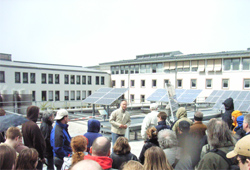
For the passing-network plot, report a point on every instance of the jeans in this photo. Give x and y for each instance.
(114, 137)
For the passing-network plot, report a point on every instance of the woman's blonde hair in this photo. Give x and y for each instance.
(79, 146)
(132, 165)
(121, 146)
(152, 132)
(156, 159)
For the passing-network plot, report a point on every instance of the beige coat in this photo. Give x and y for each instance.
(117, 118)
(181, 115)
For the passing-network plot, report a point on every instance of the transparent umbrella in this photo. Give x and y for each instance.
(11, 120)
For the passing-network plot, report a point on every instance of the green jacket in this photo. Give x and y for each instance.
(181, 115)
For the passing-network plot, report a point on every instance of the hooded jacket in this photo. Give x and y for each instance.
(239, 129)
(104, 161)
(46, 127)
(181, 115)
(93, 131)
(32, 135)
(229, 108)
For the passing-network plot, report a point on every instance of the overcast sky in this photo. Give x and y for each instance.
(89, 32)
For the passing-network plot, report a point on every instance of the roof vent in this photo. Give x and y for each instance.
(5, 57)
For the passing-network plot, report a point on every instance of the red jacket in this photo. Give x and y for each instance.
(104, 161)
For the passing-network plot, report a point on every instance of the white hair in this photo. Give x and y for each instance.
(153, 106)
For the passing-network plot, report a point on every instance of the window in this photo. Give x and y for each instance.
(142, 83)
(66, 95)
(72, 79)
(66, 79)
(72, 95)
(132, 97)
(246, 63)
(208, 83)
(154, 83)
(132, 83)
(78, 79)
(17, 77)
(89, 80)
(159, 68)
(193, 83)
(122, 69)
(194, 66)
(83, 79)
(33, 96)
(78, 95)
(83, 95)
(115, 69)
(132, 69)
(142, 68)
(25, 77)
(126, 69)
(102, 80)
(246, 83)
(142, 98)
(57, 95)
(97, 80)
(166, 81)
(122, 83)
(153, 68)
(137, 68)
(50, 95)
(44, 79)
(2, 77)
(57, 79)
(180, 66)
(32, 78)
(89, 92)
(50, 78)
(113, 83)
(44, 96)
(227, 64)
(225, 83)
(179, 83)
(231, 64)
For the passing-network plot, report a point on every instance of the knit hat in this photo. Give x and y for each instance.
(242, 147)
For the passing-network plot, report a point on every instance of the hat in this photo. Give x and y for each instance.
(242, 147)
(61, 113)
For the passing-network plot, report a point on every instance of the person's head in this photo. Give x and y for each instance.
(198, 116)
(218, 133)
(123, 105)
(162, 116)
(79, 146)
(86, 164)
(152, 132)
(62, 116)
(229, 104)
(2, 112)
(132, 165)
(33, 113)
(181, 112)
(153, 106)
(14, 134)
(27, 159)
(121, 146)
(7, 157)
(242, 153)
(235, 114)
(48, 116)
(246, 123)
(184, 127)
(167, 139)
(101, 147)
(155, 158)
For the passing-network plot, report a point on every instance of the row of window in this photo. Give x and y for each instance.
(193, 83)
(68, 95)
(185, 66)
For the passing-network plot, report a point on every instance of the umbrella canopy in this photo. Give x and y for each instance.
(11, 120)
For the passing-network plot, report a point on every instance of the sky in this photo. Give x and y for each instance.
(90, 32)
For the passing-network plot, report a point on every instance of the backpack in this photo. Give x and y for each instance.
(232, 166)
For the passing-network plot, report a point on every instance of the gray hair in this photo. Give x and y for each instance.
(153, 106)
(247, 119)
(218, 133)
(48, 113)
(167, 139)
(198, 114)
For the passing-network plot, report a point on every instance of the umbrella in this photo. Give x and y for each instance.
(11, 120)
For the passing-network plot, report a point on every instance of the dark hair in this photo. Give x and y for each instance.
(78, 145)
(243, 158)
(121, 146)
(27, 159)
(7, 156)
(184, 126)
(101, 146)
(162, 115)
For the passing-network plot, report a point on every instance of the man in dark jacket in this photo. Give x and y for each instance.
(229, 108)
(93, 132)
(60, 138)
(32, 135)
(46, 127)
(162, 116)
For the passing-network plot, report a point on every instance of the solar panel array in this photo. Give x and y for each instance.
(241, 99)
(105, 96)
(183, 95)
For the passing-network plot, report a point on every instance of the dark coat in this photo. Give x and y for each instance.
(149, 143)
(118, 160)
(32, 135)
(229, 108)
(46, 127)
(162, 125)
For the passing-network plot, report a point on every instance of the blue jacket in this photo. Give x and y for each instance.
(60, 140)
(93, 131)
(162, 125)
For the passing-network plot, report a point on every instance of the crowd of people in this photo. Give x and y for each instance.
(183, 144)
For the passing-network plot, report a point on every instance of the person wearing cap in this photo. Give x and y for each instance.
(60, 138)
(242, 153)
(246, 124)
(150, 120)
(198, 129)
